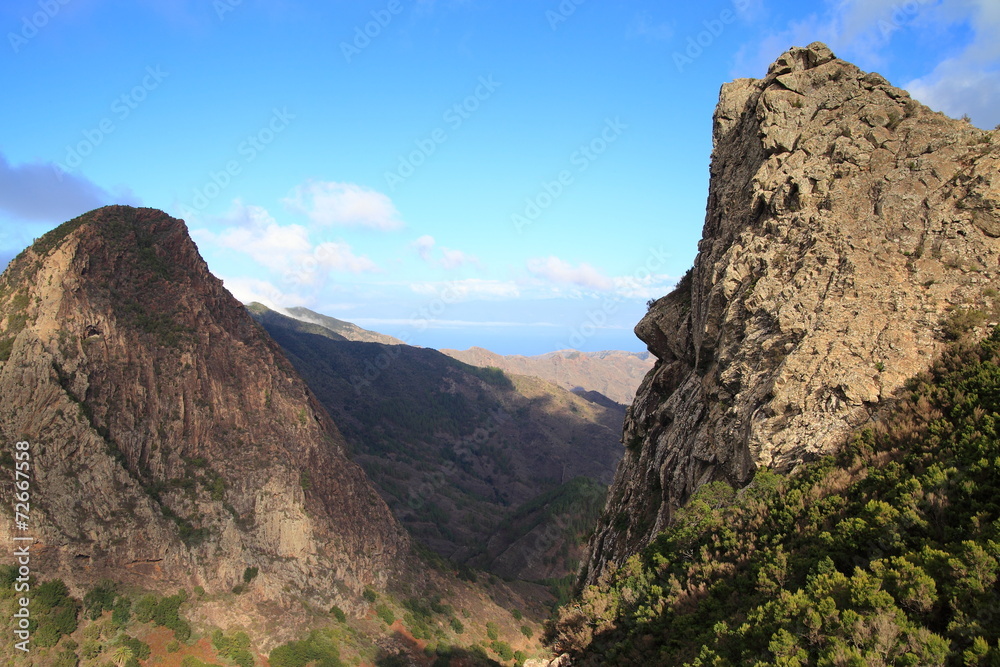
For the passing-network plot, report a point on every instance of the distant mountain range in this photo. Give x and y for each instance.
(615, 374)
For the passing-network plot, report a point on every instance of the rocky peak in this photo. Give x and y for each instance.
(849, 231)
(174, 443)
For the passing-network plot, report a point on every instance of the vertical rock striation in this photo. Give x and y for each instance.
(849, 230)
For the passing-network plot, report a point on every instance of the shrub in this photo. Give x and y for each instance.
(383, 612)
(503, 650)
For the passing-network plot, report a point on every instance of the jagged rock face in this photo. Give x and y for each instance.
(844, 220)
(173, 442)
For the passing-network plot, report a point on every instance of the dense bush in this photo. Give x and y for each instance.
(54, 612)
(319, 648)
(887, 554)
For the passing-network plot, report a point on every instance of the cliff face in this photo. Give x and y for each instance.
(174, 444)
(849, 230)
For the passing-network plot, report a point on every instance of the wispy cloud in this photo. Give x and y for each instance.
(282, 248)
(560, 272)
(446, 324)
(471, 289)
(248, 290)
(441, 256)
(334, 204)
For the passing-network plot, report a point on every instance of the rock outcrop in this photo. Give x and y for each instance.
(849, 231)
(173, 443)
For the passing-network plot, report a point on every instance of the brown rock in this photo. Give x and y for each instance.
(173, 443)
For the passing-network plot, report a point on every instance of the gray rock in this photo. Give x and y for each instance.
(844, 221)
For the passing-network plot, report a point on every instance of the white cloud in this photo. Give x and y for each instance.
(649, 286)
(248, 290)
(286, 249)
(424, 247)
(969, 82)
(344, 205)
(446, 258)
(560, 272)
(471, 289)
(254, 232)
(444, 324)
(338, 256)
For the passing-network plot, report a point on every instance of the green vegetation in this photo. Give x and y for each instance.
(52, 239)
(320, 648)
(53, 612)
(502, 649)
(385, 613)
(490, 375)
(235, 647)
(887, 554)
(338, 614)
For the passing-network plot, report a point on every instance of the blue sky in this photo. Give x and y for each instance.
(522, 176)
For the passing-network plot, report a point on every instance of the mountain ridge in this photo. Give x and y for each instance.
(613, 373)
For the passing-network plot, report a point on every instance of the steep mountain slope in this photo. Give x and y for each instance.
(348, 330)
(886, 554)
(613, 373)
(174, 444)
(849, 232)
(483, 467)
